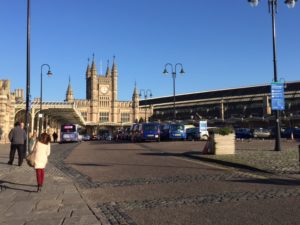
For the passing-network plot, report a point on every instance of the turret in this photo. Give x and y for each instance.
(88, 81)
(135, 103)
(69, 94)
(93, 69)
(114, 75)
(108, 73)
(94, 81)
(88, 71)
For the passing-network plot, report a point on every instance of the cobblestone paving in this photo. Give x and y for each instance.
(115, 212)
(259, 154)
(210, 199)
(84, 181)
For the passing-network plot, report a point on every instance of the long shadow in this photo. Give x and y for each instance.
(271, 181)
(4, 187)
(9, 182)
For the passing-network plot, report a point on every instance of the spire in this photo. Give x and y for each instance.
(135, 92)
(69, 94)
(88, 69)
(114, 68)
(108, 73)
(93, 69)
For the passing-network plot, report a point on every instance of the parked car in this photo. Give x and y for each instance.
(261, 133)
(86, 137)
(195, 134)
(288, 132)
(243, 133)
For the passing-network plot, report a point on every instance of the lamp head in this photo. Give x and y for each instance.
(182, 71)
(253, 3)
(49, 73)
(290, 3)
(165, 71)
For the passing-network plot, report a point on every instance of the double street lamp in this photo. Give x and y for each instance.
(49, 73)
(174, 72)
(145, 93)
(273, 9)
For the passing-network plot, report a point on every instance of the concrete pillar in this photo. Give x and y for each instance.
(222, 110)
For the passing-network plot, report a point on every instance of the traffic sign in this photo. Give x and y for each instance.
(277, 96)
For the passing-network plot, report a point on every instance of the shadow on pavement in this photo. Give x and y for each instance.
(272, 181)
(3, 186)
(8, 182)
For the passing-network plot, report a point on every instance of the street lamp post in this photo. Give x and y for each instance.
(273, 9)
(145, 93)
(27, 119)
(49, 73)
(174, 72)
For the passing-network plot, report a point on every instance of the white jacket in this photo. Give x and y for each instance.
(41, 155)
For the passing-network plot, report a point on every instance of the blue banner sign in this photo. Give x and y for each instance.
(277, 96)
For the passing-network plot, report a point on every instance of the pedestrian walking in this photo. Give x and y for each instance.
(42, 149)
(17, 137)
(55, 136)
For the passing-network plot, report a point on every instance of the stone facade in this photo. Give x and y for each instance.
(101, 109)
(7, 110)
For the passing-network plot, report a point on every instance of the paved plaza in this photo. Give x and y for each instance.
(154, 183)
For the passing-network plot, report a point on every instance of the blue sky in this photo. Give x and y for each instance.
(221, 44)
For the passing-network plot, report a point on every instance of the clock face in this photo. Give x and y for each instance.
(104, 89)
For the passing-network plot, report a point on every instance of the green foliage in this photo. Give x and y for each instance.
(222, 130)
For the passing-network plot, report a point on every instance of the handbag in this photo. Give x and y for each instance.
(30, 158)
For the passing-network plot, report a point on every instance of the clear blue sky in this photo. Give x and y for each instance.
(221, 44)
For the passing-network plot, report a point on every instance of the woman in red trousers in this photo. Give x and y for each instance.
(42, 149)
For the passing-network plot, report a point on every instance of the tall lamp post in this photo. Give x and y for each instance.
(174, 72)
(273, 9)
(145, 94)
(49, 73)
(27, 119)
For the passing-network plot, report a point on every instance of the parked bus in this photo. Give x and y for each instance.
(70, 133)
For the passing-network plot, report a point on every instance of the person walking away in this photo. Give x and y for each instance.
(42, 149)
(55, 136)
(32, 141)
(17, 137)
